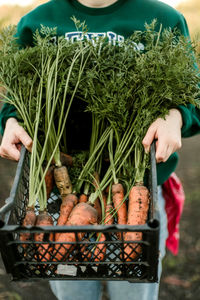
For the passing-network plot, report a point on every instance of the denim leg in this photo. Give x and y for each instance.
(119, 290)
(76, 289)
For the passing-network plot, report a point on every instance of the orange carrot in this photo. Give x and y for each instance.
(30, 219)
(109, 219)
(137, 215)
(63, 249)
(86, 253)
(62, 180)
(97, 204)
(83, 198)
(68, 203)
(104, 201)
(44, 251)
(49, 180)
(119, 204)
(100, 250)
(82, 214)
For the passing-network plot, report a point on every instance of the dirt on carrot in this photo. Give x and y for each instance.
(62, 180)
(82, 214)
(30, 219)
(100, 250)
(109, 219)
(119, 205)
(66, 159)
(49, 180)
(137, 215)
(83, 198)
(44, 251)
(68, 203)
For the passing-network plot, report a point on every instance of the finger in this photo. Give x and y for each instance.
(169, 152)
(25, 139)
(149, 137)
(161, 151)
(11, 153)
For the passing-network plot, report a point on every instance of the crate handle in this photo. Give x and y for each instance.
(10, 200)
(153, 183)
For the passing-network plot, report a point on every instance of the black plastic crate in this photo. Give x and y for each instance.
(24, 262)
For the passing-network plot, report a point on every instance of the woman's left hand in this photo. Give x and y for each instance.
(167, 132)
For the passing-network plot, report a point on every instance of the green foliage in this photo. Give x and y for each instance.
(79, 160)
(124, 87)
(126, 84)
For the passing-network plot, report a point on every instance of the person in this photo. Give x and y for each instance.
(116, 20)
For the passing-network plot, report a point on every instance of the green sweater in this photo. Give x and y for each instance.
(117, 22)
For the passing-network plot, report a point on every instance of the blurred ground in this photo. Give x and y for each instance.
(181, 274)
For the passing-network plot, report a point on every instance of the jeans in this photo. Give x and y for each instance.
(117, 290)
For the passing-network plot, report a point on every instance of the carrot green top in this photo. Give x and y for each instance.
(116, 22)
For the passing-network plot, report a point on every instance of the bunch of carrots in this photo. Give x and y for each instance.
(78, 210)
(119, 88)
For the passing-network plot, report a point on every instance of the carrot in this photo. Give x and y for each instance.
(66, 159)
(100, 250)
(119, 204)
(109, 219)
(62, 180)
(86, 253)
(30, 219)
(63, 248)
(68, 203)
(49, 180)
(82, 214)
(44, 251)
(97, 204)
(137, 215)
(83, 198)
(104, 201)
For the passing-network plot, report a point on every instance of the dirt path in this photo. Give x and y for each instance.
(181, 274)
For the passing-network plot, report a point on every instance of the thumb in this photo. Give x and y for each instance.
(25, 139)
(149, 137)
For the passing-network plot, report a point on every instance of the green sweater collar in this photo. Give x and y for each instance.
(97, 11)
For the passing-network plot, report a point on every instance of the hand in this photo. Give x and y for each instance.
(167, 132)
(14, 135)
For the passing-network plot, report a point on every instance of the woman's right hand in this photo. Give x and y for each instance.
(14, 136)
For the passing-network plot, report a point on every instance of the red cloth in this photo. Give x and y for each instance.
(174, 201)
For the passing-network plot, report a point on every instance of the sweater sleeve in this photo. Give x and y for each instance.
(25, 38)
(190, 113)
(7, 111)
